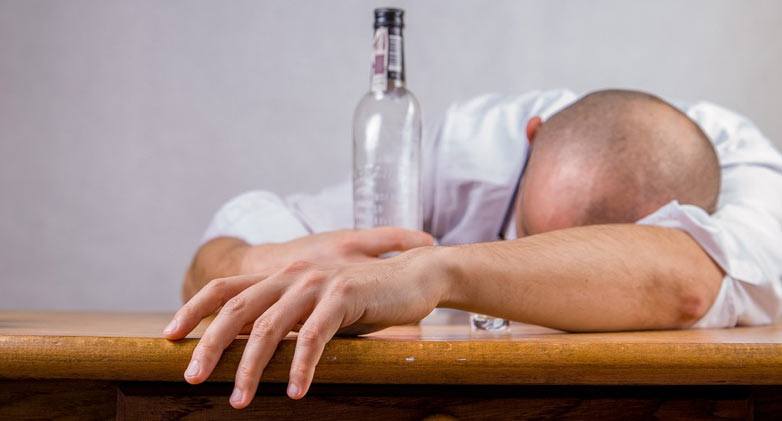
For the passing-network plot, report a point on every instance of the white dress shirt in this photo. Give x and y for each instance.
(472, 160)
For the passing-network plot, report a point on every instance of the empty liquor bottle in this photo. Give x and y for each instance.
(387, 136)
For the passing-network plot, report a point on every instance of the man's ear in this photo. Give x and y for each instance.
(532, 128)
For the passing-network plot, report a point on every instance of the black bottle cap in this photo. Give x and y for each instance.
(388, 16)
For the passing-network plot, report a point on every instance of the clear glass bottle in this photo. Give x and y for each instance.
(387, 137)
(482, 322)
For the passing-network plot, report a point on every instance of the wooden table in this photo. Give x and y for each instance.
(97, 365)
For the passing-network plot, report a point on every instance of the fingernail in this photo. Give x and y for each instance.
(293, 391)
(171, 327)
(192, 369)
(236, 396)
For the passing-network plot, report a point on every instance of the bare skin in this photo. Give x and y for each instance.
(558, 274)
(225, 256)
(611, 277)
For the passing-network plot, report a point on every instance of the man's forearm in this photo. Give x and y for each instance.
(218, 258)
(609, 277)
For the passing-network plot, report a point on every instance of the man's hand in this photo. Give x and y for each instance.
(335, 247)
(593, 278)
(353, 298)
(223, 257)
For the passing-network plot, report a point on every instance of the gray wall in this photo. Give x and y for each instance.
(125, 124)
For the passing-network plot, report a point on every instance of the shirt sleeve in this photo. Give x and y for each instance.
(744, 235)
(259, 217)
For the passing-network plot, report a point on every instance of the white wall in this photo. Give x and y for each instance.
(125, 124)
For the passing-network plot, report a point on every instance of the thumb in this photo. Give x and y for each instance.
(377, 241)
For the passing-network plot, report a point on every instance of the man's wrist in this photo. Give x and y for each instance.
(440, 267)
(462, 269)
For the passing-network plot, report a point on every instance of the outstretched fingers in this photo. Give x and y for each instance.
(235, 314)
(268, 330)
(206, 302)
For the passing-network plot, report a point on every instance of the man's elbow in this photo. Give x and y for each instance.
(691, 307)
(694, 288)
(679, 303)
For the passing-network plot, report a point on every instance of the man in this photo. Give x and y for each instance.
(575, 261)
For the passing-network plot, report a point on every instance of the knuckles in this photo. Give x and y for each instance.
(308, 282)
(342, 287)
(217, 287)
(263, 329)
(217, 284)
(309, 336)
(312, 280)
(234, 306)
(297, 266)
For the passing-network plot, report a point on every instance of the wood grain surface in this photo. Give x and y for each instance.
(129, 347)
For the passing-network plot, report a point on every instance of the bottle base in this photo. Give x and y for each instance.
(483, 323)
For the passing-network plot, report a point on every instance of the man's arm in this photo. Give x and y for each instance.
(607, 277)
(610, 277)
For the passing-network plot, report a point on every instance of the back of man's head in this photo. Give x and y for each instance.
(615, 156)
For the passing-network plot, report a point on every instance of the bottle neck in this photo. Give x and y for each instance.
(388, 59)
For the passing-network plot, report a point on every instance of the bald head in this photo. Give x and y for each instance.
(614, 157)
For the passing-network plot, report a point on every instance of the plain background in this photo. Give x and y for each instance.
(125, 124)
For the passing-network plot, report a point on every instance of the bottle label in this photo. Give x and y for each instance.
(396, 65)
(380, 60)
(394, 55)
